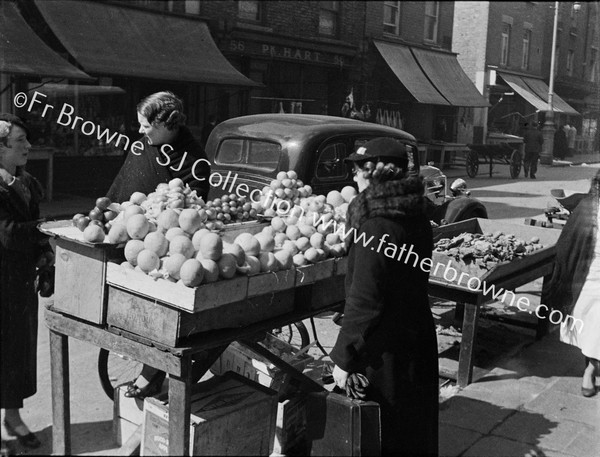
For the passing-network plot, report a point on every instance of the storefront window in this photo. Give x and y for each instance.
(391, 17)
(328, 18)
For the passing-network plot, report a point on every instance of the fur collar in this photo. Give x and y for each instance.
(392, 200)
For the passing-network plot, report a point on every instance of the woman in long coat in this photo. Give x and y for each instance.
(388, 333)
(21, 245)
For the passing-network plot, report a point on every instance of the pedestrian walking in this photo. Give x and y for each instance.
(575, 284)
(533, 140)
(169, 151)
(560, 143)
(388, 333)
(571, 137)
(22, 246)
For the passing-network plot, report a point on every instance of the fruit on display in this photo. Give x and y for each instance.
(488, 249)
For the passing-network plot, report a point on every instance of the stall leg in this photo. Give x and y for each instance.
(179, 411)
(542, 325)
(61, 412)
(467, 344)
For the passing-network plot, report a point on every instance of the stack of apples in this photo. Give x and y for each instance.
(283, 193)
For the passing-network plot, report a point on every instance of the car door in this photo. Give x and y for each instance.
(329, 170)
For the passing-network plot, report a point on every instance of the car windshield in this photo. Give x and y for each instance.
(252, 153)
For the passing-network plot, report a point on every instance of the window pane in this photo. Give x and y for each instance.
(230, 152)
(327, 23)
(390, 15)
(248, 9)
(263, 155)
(331, 162)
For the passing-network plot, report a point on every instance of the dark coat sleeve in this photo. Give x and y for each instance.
(365, 300)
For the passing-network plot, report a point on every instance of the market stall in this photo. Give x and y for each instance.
(466, 248)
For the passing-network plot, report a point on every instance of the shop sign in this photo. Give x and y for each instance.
(286, 53)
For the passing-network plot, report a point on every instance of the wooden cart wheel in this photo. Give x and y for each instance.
(515, 164)
(472, 164)
(115, 369)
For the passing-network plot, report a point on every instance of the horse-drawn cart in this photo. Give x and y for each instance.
(502, 153)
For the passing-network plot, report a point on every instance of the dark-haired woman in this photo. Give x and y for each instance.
(170, 151)
(388, 333)
(575, 285)
(21, 246)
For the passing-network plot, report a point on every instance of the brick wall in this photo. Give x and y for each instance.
(469, 36)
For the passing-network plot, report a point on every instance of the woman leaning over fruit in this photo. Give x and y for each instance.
(170, 151)
(21, 248)
(388, 333)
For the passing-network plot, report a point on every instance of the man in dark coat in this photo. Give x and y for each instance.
(170, 151)
(533, 140)
(388, 333)
(561, 147)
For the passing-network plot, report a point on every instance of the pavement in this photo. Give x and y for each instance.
(525, 399)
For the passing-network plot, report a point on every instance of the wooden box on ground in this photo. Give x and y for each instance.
(230, 415)
(442, 263)
(337, 425)
(129, 413)
(290, 428)
(244, 361)
(80, 288)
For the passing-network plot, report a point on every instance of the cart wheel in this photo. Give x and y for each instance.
(472, 164)
(515, 164)
(115, 369)
(295, 334)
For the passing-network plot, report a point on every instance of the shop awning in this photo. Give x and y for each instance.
(22, 52)
(535, 92)
(407, 70)
(446, 74)
(115, 40)
(71, 90)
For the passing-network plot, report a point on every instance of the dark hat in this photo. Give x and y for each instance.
(381, 149)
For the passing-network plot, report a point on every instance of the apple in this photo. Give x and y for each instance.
(83, 222)
(96, 214)
(76, 218)
(102, 203)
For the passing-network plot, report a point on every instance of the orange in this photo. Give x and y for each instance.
(211, 246)
(278, 224)
(167, 219)
(284, 259)
(93, 234)
(303, 243)
(131, 210)
(335, 198)
(137, 226)
(317, 240)
(249, 244)
(293, 232)
(137, 198)
(190, 220)
(175, 231)
(237, 251)
(348, 193)
(172, 264)
(147, 260)
(299, 260)
(132, 249)
(307, 230)
(290, 245)
(117, 233)
(268, 262)
(254, 264)
(181, 244)
(157, 242)
(196, 238)
(312, 255)
(211, 270)
(191, 273)
(267, 242)
(127, 265)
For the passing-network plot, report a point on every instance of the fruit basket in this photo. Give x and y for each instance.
(443, 263)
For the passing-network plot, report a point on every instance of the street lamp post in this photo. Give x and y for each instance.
(548, 129)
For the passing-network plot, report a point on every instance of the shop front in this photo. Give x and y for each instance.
(424, 92)
(131, 53)
(298, 76)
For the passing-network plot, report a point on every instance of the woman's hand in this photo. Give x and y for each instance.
(340, 377)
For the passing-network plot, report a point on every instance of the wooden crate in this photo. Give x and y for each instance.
(314, 272)
(165, 324)
(501, 270)
(190, 299)
(264, 283)
(230, 415)
(290, 428)
(80, 288)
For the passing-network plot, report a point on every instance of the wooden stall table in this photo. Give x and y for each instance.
(444, 148)
(47, 154)
(177, 362)
(507, 276)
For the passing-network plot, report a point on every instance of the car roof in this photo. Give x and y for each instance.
(285, 127)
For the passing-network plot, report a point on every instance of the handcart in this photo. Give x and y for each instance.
(501, 153)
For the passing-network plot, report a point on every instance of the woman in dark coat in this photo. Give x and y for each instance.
(21, 246)
(388, 333)
(170, 151)
(561, 147)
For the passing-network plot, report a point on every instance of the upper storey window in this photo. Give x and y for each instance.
(432, 11)
(391, 17)
(328, 18)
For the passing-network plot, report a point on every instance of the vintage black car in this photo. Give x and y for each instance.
(255, 148)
